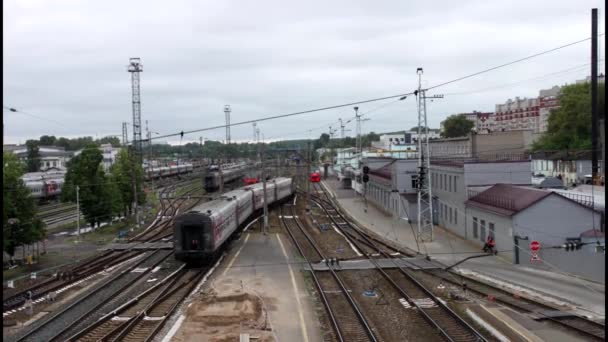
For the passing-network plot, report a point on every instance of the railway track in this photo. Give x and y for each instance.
(169, 207)
(582, 325)
(142, 317)
(433, 310)
(345, 316)
(64, 278)
(52, 327)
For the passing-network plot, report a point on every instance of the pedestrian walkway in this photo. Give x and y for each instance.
(583, 296)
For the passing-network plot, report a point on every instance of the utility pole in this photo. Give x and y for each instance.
(425, 198)
(227, 113)
(265, 227)
(306, 176)
(358, 134)
(78, 212)
(594, 114)
(254, 132)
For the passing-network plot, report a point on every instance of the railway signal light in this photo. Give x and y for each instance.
(571, 246)
(365, 178)
(366, 169)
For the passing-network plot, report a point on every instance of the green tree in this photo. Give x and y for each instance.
(570, 124)
(109, 140)
(19, 205)
(33, 155)
(456, 126)
(46, 140)
(122, 173)
(86, 172)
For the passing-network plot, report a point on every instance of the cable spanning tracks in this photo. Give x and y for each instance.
(451, 326)
(52, 327)
(346, 317)
(65, 277)
(143, 316)
(576, 323)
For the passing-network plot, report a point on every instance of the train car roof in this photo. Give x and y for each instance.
(213, 205)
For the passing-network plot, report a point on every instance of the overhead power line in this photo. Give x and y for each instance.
(32, 115)
(376, 99)
(510, 63)
(282, 116)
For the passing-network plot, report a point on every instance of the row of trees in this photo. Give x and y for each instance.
(19, 222)
(103, 195)
(217, 150)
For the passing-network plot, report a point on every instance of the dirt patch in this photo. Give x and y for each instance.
(223, 316)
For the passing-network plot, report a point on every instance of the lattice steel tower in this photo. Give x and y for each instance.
(135, 68)
(425, 198)
(227, 112)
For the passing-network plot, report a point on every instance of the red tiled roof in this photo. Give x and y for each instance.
(505, 199)
(593, 233)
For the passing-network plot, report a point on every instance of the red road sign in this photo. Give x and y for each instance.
(535, 246)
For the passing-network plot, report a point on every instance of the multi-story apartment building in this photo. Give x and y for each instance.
(518, 114)
(483, 122)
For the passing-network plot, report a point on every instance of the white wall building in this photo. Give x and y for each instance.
(109, 154)
(50, 156)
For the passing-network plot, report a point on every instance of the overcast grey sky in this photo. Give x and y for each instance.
(66, 61)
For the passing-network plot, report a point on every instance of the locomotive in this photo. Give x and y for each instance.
(229, 174)
(200, 233)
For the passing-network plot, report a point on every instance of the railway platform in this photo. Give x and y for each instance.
(584, 297)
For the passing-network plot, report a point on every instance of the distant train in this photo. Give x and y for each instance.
(167, 171)
(201, 232)
(44, 185)
(315, 177)
(229, 173)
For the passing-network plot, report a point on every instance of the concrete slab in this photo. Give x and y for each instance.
(261, 269)
(447, 248)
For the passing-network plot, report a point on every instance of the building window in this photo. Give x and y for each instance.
(440, 182)
(455, 216)
(482, 236)
(455, 182)
(475, 229)
(491, 230)
(450, 183)
(450, 214)
(414, 181)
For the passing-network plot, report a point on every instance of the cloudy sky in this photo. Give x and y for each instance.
(66, 61)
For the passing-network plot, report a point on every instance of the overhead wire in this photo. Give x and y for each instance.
(509, 63)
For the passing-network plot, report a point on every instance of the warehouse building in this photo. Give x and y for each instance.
(510, 213)
(451, 180)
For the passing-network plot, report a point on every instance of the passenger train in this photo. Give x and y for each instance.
(44, 185)
(167, 171)
(200, 233)
(229, 173)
